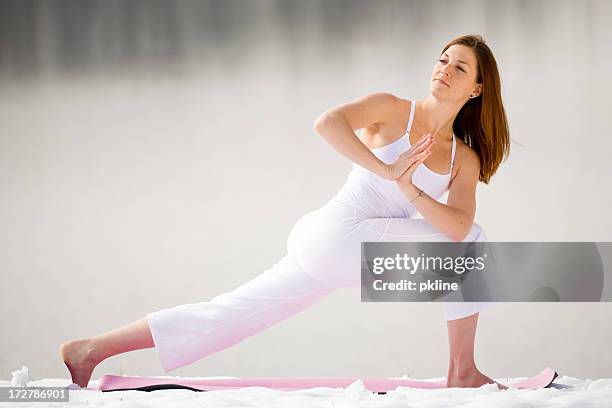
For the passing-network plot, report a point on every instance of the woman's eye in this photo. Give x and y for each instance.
(444, 62)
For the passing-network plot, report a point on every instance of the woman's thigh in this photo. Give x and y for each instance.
(331, 250)
(419, 230)
(326, 242)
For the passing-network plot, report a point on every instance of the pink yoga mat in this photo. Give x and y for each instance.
(119, 383)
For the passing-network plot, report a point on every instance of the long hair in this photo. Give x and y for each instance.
(482, 121)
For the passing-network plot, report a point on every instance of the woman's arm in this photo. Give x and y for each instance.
(337, 126)
(455, 218)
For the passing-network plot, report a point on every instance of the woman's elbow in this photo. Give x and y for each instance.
(462, 227)
(459, 237)
(323, 122)
(456, 237)
(461, 233)
(320, 123)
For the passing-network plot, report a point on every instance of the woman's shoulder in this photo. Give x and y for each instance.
(390, 98)
(466, 161)
(465, 155)
(405, 102)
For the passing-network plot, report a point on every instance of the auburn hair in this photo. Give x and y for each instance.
(482, 122)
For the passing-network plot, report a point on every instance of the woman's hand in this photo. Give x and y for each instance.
(405, 180)
(407, 161)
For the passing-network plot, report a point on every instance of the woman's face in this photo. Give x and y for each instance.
(454, 75)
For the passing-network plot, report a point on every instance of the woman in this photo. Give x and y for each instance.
(396, 174)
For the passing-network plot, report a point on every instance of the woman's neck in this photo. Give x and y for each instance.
(438, 116)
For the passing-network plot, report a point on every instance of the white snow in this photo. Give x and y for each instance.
(20, 377)
(566, 392)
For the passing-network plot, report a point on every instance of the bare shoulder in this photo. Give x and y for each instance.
(466, 159)
(404, 104)
(385, 100)
(371, 110)
(400, 108)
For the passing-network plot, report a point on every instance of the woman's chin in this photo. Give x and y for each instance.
(441, 94)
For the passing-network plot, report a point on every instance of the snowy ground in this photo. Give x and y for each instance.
(565, 392)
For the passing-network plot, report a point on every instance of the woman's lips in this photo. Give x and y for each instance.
(443, 81)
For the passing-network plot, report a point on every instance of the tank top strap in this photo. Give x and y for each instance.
(412, 109)
(453, 153)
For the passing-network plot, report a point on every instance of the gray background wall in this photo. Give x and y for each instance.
(157, 153)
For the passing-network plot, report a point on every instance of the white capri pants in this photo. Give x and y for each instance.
(324, 254)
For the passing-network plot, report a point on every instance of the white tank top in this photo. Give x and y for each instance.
(377, 197)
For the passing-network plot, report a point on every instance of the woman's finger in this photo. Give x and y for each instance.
(426, 135)
(421, 159)
(424, 140)
(415, 152)
(427, 142)
(418, 161)
(419, 146)
(411, 161)
(417, 156)
(419, 143)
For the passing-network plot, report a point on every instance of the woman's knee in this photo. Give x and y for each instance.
(459, 310)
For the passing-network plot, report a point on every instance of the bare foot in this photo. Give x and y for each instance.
(78, 355)
(471, 379)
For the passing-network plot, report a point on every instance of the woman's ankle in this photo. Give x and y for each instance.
(94, 351)
(462, 369)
